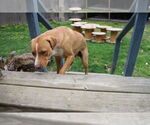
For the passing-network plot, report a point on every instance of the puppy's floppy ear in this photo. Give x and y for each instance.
(52, 41)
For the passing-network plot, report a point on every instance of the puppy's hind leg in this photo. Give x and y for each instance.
(84, 58)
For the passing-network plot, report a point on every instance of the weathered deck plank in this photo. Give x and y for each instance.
(91, 82)
(66, 100)
(75, 118)
(95, 92)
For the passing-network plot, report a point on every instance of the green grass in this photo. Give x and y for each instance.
(16, 37)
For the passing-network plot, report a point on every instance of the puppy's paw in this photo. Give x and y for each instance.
(61, 73)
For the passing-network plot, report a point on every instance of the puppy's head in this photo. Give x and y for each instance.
(42, 50)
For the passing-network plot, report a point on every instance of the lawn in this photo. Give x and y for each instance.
(16, 37)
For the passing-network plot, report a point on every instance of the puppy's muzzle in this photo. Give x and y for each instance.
(38, 66)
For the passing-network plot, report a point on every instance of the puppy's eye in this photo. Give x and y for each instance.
(33, 53)
(43, 53)
(48, 41)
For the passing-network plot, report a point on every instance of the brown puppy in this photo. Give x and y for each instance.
(61, 42)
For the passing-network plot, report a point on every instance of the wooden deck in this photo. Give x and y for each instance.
(74, 118)
(74, 92)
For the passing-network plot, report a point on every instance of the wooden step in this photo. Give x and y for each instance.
(74, 118)
(75, 92)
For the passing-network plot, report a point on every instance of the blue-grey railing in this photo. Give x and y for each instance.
(34, 17)
(137, 21)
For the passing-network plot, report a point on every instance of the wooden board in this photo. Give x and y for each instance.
(78, 81)
(101, 93)
(75, 118)
(73, 100)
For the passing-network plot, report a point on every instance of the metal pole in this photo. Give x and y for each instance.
(86, 4)
(141, 19)
(109, 9)
(61, 9)
(32, 18)
(44, 21)
(140, 22)
(126, 29)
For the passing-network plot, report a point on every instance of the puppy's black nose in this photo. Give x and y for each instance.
(38, 66)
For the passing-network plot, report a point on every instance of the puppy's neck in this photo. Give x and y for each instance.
(57, 50)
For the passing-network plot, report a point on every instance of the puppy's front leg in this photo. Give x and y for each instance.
(58, 63)
(67, 64)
